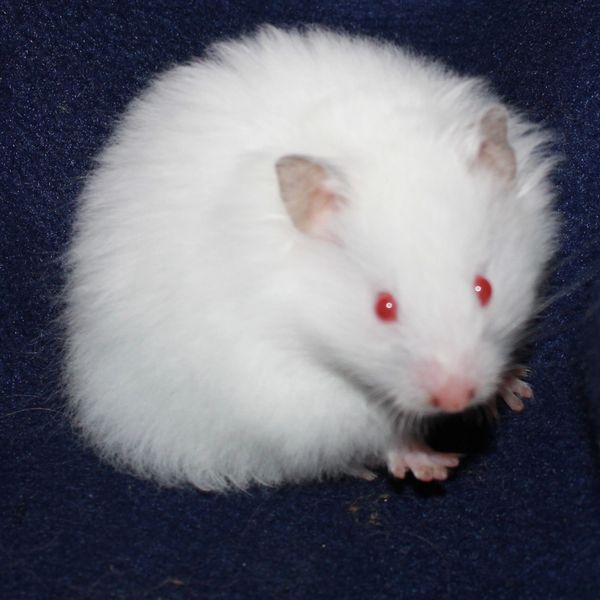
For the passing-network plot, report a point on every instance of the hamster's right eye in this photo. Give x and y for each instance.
(483, 289)
(386, 307)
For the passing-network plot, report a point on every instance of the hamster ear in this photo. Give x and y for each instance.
(495, 153)
(309, 191)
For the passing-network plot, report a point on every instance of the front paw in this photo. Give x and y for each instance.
(424, 463)
(514, 389)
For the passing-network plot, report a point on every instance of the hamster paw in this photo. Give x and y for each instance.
(513, 389)
(424, 463)
(362, 473)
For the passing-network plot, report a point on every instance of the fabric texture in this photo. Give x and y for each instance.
(520, 518)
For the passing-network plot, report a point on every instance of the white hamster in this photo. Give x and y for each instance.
(292, 251)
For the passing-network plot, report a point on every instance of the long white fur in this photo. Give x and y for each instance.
(210, 342)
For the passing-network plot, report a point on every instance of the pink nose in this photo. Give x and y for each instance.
(453, 395)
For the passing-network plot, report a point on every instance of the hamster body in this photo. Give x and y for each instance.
(275, 262)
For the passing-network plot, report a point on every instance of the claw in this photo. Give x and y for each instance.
(514, 389)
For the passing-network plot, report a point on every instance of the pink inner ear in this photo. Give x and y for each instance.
(305, 185)
(322, 202)
(495, 153)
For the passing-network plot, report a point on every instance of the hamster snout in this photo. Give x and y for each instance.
(453, 396)
(449, 390)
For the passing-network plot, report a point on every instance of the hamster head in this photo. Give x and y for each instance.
(426, 266)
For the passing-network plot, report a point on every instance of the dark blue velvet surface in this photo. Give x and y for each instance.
(519, 520)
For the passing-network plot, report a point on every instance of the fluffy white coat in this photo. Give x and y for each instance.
(210, 341)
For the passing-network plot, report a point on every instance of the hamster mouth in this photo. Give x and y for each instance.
(422, 423)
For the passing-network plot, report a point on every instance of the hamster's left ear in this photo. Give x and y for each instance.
(310, 191)
(495, 153)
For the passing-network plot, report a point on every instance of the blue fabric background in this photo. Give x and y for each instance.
(521, 517)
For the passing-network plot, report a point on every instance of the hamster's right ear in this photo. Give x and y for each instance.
(495, 152)
(310, 190)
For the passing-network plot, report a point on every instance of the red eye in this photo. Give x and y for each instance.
(483, 289)
(386, 307)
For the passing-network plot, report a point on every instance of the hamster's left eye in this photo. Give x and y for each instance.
(386, 307)
(483, 289)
